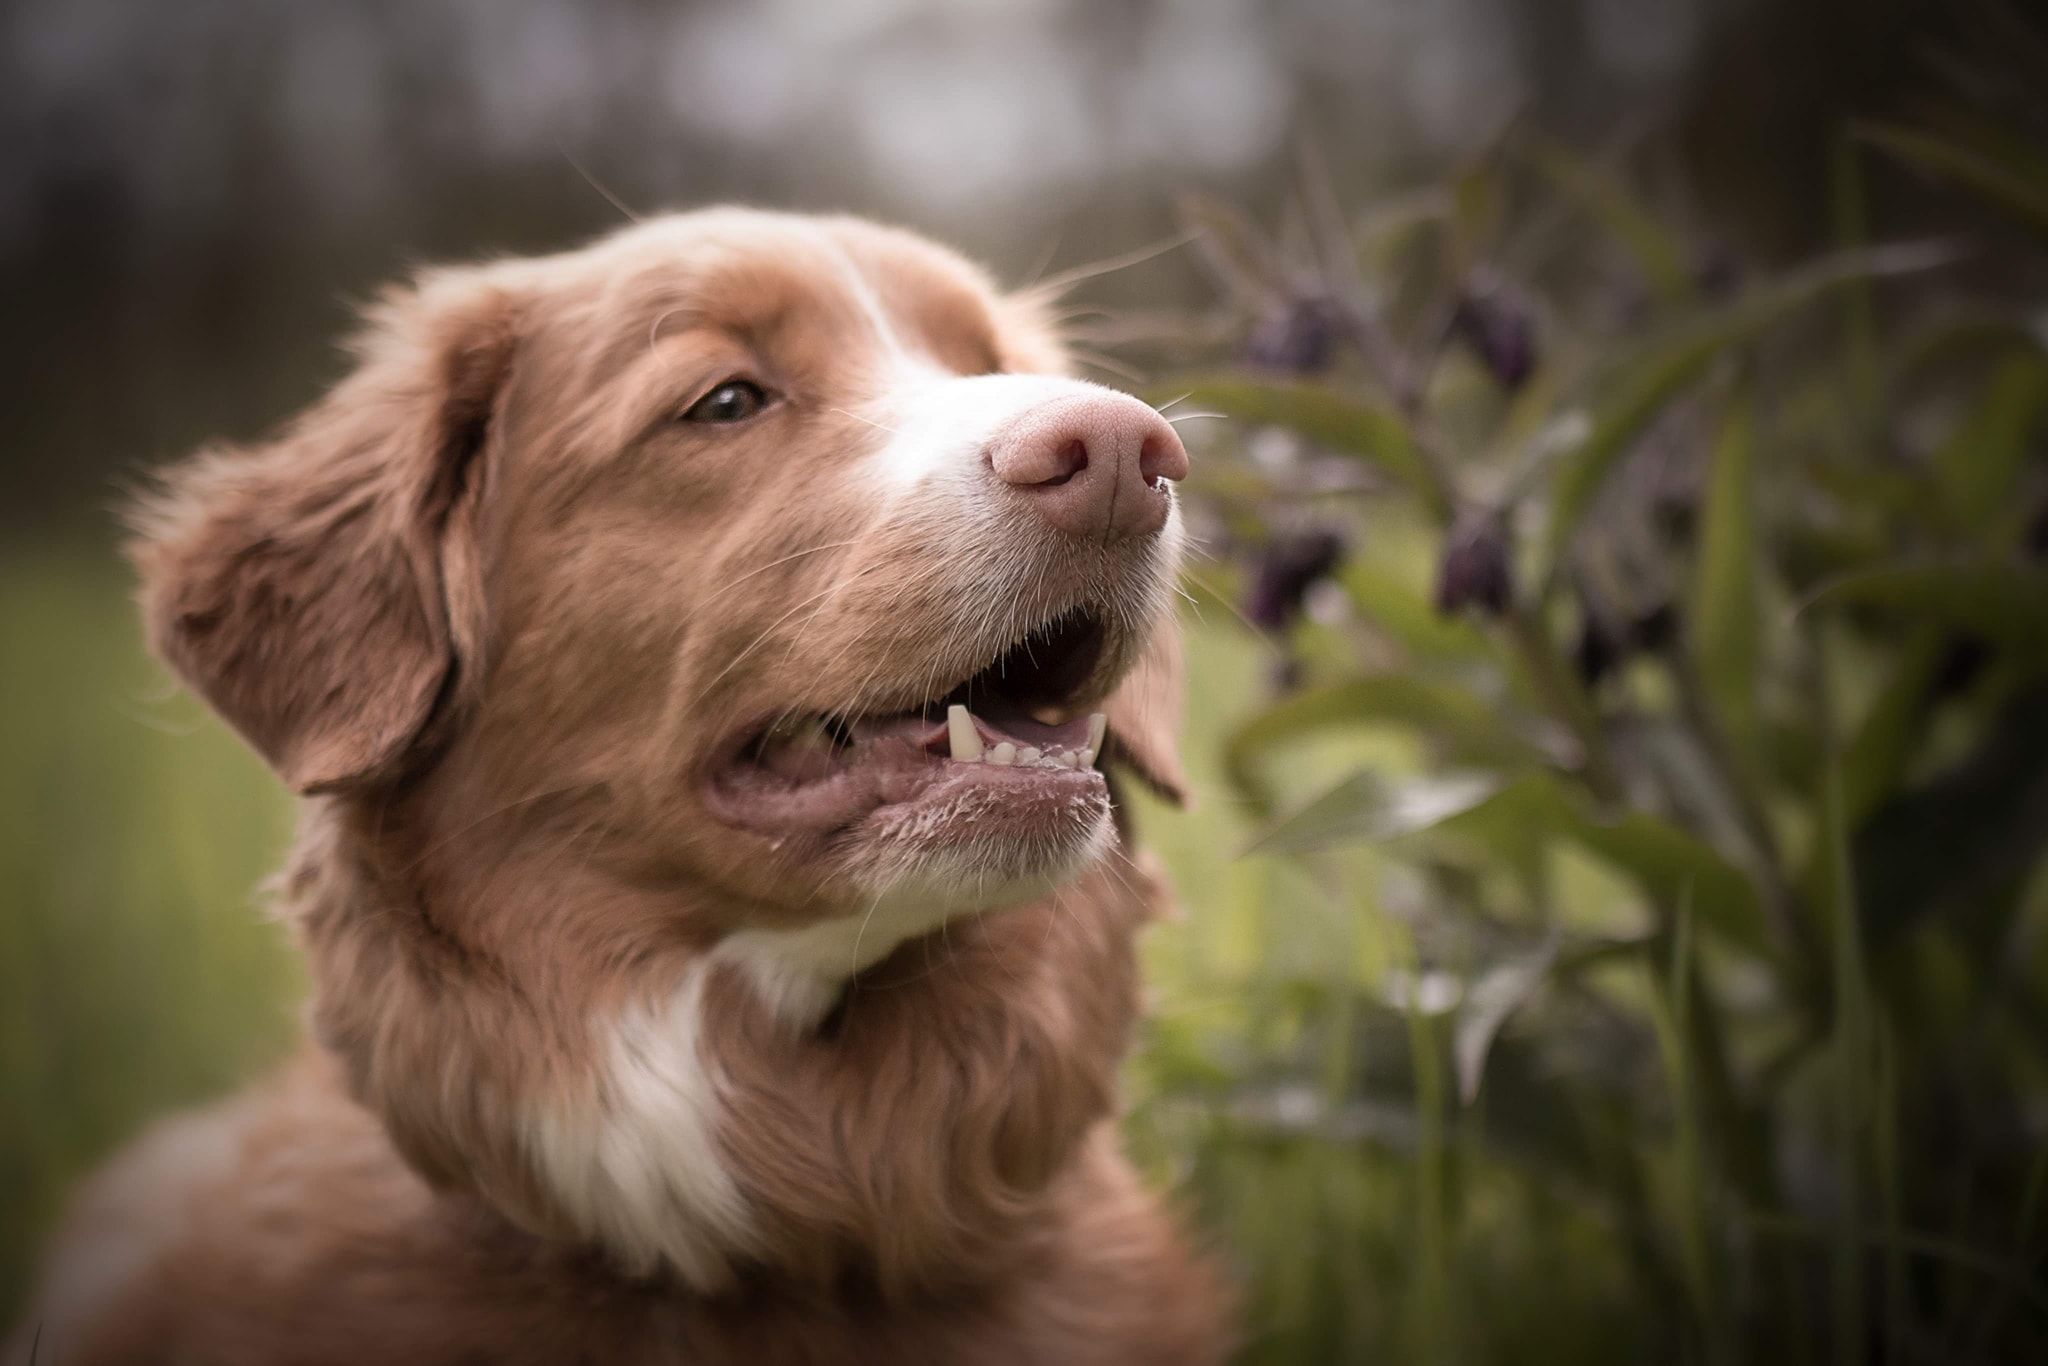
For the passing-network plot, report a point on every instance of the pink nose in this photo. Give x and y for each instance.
(1093, 465)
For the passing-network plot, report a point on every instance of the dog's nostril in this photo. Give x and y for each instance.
(1072, 459)
(1159, 461)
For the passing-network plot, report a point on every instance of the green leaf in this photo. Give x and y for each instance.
(1667, 862)
(1726, 634)
(1672, 1005)
(2003, 601)
(1405, 613)
(1850, 1046)
(1977, 467)
(1504, 817)
(1368, 807)
(1666, 368)
(2023, 197)
(1956, 845)
(1369, 430)
(1496, 995)
(1875, 757)
(1470, 730)
(1656, 249)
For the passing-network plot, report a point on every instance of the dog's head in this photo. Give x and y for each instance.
(786, 535)
(741, 592)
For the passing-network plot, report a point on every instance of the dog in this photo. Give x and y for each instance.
(712, 661)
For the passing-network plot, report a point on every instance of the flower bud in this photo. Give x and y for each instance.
(1497, 320)
(1600, 646)
(1717, 272)
(1288, 568)
(1476, 571)
(1296, 336)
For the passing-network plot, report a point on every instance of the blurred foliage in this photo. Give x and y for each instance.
(1639, 949)
(136, 971)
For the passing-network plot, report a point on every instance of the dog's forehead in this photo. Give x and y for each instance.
(781, 280)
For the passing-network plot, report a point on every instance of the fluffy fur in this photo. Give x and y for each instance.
(594, 1073)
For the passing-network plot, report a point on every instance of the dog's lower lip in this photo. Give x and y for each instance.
(808, 773)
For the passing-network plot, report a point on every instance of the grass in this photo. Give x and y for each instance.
(136, 972)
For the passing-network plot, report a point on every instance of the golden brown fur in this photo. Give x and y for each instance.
(489, 608)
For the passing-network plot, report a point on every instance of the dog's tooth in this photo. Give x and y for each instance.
(960, 732)
(1003, 754)
(1066, 758)
(1028, 755)
(1098, 728)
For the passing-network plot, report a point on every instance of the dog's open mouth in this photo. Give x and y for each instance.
(1013, 730)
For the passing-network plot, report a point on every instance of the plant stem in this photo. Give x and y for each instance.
(1746, 799)
(1547, 671)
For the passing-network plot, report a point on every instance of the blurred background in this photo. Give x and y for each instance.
(1619, 712)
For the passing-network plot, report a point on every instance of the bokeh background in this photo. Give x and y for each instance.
(1615, 893)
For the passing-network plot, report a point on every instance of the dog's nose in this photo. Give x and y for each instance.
(1093, 465)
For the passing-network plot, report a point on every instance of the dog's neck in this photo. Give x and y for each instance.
(605, 1059)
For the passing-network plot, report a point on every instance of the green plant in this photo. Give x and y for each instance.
(1690, 1000)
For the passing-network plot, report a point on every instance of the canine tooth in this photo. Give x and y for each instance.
(1004, 754)
(1066, 758)
(1028, 755)
(960, 732)
(1098, 727)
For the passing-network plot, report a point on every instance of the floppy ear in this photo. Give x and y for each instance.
(1145, 713)
(321, 591)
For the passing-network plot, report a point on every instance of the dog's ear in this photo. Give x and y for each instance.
(1145, 714)
(321, 592)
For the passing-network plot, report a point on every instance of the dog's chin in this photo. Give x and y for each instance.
(981, 841)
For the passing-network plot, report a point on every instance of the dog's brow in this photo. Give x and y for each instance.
(870, 303)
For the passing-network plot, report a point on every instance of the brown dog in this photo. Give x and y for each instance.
(696, 652)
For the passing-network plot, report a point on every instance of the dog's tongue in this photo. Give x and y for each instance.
(921, 732)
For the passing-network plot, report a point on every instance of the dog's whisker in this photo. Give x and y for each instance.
(1128, 373)
(777, 563)
(880, 426)
(1055, 285)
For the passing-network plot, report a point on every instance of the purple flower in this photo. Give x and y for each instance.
(1496, 319)
(1288, 568)
(1296, 336)
(1476, 571)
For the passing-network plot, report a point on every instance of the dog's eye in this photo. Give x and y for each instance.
(735, 400)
